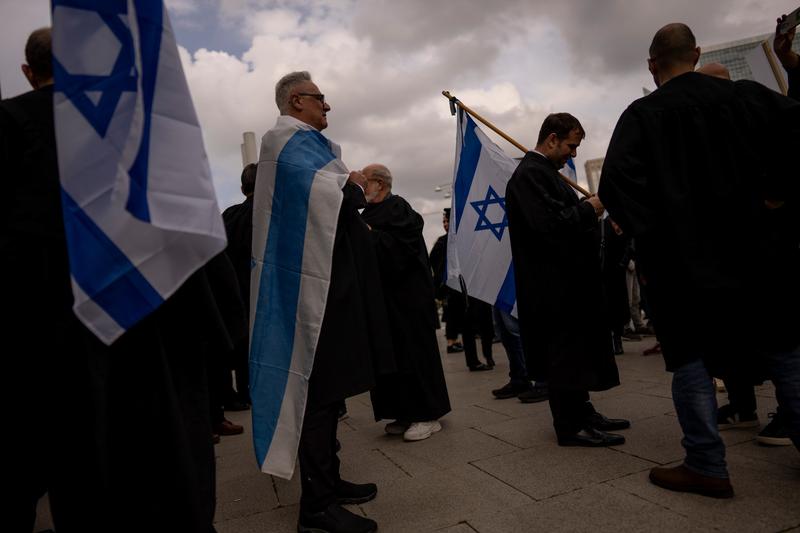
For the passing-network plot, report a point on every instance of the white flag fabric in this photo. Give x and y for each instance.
(569, 170)
(478, 245)
(295, 213)
(140, 212)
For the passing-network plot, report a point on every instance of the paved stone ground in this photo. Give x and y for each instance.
(496, 467)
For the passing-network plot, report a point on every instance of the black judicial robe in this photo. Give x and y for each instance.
(556, 250)
(239, 230)
(614, 257)
(438, 265)
(687, 173)
(417, 391)
(115, 434)
(354, 344)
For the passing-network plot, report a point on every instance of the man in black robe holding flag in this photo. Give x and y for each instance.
(555, 245)
(416, 395)
(697, 173)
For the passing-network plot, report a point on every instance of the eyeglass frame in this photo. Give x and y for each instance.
(317, 96)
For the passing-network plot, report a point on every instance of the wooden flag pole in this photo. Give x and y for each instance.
(456, 101)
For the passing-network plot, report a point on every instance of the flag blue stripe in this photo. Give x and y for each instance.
(274, 325)
(508, 292)
(103, 271)
(467, 164)
(149, 19)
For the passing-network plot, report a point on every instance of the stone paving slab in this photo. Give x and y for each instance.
(548, 470)
(595, 508)
(496, 467)
(767, 498)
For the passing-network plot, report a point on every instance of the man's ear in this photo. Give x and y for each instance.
(696, 56)
(26, 70)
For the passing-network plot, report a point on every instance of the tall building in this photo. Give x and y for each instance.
(593, 168)
(732, 54)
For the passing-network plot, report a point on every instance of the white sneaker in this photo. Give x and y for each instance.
(422, 430)
(396, 428)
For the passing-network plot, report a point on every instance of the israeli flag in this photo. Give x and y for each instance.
(295, 213)
(140, 212)
(568, 171)
(478, 245)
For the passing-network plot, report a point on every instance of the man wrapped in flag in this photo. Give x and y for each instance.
(112, 216)
(316, 334)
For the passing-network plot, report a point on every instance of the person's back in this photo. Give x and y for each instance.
(715, 150)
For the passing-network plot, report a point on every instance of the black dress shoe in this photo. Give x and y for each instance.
(490, 363)
(349, 493)
(479, 368)
(534, 395)
(335, 519)
(455, 348)
(598, 421)
(510, 390)
(591, 438)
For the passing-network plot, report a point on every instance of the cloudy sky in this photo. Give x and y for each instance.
(383, 64)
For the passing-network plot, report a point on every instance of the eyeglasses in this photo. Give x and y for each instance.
(320, 97)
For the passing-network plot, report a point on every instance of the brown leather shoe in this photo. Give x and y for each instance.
(681, 479)
(226, 427)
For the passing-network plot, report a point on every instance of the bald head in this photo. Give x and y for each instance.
(718, 70)
(673, 45)
(39, 58)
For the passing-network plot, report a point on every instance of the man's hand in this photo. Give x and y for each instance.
(595, 202)
(358, 178)
(783, 46)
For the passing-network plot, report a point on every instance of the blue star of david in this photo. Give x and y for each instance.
(484, 223)
(122, 78)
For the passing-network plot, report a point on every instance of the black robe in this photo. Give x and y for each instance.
(239, 230)
(438, 265)
(354, 343)
(687, 173)
(417, 392)
(556, 250)
(108, 431)
(615, 253)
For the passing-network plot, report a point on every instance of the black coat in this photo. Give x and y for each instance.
(60, 376)
(417, 392)
(354, 343)
(438, 265)
(687, 173)
(614, 257)
(239, 230)
(555, 247)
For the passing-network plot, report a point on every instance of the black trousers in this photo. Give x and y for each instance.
(454, 314)
(478, 319)
(570, 409)
(741, 394)
(319, 465)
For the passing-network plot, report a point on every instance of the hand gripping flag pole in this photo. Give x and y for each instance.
(456, 102)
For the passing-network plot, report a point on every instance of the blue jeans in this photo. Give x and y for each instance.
(508, 327)
(695, 400)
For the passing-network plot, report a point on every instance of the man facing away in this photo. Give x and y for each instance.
(696, 172)
(416, 395)
(239, 230)
(295, 252)
(556, 250)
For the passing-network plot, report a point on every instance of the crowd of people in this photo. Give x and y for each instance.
(700, 227)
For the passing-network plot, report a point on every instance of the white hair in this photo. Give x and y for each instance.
(380, 171)
(285, 86)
